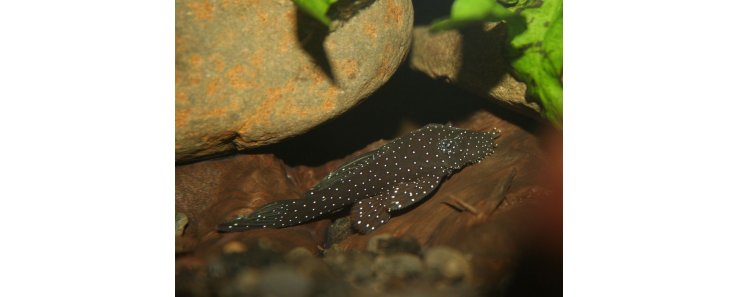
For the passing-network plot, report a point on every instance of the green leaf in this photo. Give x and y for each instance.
(553, 44)
(464, 12)
(316, 9)
(535, 48)
(538, 53)
(471, 9)
(515, 4)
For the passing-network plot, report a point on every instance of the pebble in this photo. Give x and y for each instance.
(257, 268)
(339, 230)
(386, 244)
(298, 254)
(353, 266)
(246, 283)
(181, 220)
(402, 266)
(234, 247)
(284, 281)
(448, 263)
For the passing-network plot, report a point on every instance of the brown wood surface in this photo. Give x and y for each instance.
(496, 211)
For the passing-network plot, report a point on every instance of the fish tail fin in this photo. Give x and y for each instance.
(269, 215)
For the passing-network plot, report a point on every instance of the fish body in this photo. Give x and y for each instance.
(390, 178)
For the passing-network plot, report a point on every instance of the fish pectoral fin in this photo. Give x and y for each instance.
(369, 214)
(408, 193)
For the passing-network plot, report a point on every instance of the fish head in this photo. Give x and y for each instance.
(457, 147)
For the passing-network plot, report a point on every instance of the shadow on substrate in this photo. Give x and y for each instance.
(409, 99)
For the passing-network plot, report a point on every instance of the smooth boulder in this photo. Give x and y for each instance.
(251, 73)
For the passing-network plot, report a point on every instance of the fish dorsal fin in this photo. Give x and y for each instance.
(346, 169)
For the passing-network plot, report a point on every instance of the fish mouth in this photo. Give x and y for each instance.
(495, 134)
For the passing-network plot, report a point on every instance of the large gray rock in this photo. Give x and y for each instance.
(246, 77)
(473, 59)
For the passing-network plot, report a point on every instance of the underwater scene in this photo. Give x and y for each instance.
(369, 148)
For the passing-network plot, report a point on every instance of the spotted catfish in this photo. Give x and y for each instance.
(392, 177)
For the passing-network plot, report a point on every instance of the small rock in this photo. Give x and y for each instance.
(181, 220)
(360, 269)
(448, 264)
(284, 281)
(387, 244)
(246, 283)
(338, 231)
(402, 266)
(353, 266)
(266, 244)
(372, 244)
(238, 256)
(307, 263)
(335, 254)
(234, 247)
(298, 254)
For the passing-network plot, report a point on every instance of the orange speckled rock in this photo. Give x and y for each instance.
(245, 77)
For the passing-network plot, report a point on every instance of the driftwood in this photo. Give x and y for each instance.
(505, 213)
